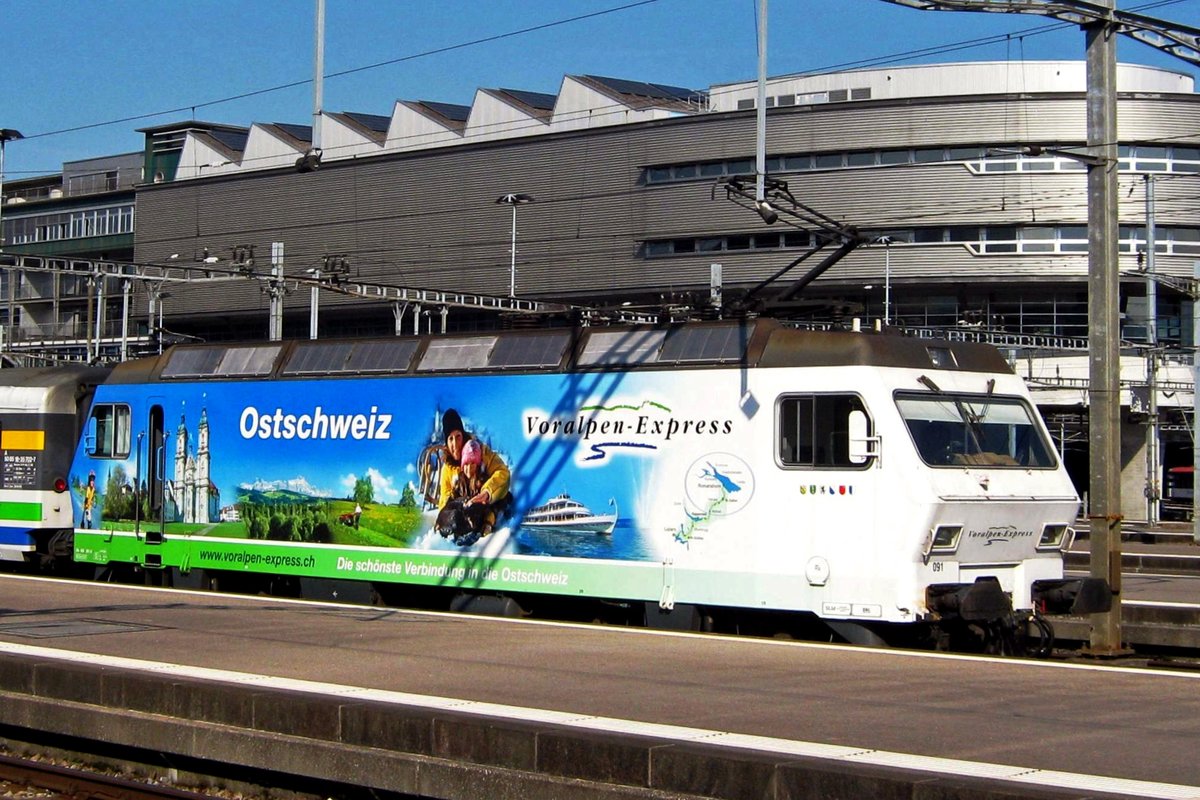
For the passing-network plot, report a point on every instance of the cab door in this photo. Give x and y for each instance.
(156, 470)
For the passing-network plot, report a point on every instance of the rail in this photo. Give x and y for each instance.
(82, 784)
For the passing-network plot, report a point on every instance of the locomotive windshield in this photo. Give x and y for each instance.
(952, 430)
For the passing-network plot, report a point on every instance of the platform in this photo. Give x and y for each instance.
(462, 707)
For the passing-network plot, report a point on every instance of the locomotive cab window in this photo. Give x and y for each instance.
(814, 430)
(956, 430)
(108, 431)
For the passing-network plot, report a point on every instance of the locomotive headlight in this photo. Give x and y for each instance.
(943, 539)
(1056, 537)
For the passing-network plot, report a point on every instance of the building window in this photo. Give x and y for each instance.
(1186, 159)
(1037, 240)
(964, 153)
(1185, 241)
(1144, 158)
(797, 163)
(70, 225)
(1000, 239)
(983, 241)
(1139, 158)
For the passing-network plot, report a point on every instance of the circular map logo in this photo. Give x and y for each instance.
(718, 484)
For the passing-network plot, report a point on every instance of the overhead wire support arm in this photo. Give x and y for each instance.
(155, 277)
(243, 269)
(777, 199)
(778, 203)
(1185, 286)
(1181, 41)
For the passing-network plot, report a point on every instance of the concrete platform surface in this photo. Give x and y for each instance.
(455, 706)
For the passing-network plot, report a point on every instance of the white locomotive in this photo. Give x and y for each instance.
(879, 483)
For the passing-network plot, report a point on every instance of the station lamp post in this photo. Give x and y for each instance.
(514, 200)
(6, 135)
(886, 241)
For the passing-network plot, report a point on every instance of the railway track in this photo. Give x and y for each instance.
(29, 778)
(1160, 609)
(1153, 627)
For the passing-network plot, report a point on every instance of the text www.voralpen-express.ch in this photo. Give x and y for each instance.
(244, 558)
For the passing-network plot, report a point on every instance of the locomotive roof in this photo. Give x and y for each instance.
(744, 343)
(47, 389)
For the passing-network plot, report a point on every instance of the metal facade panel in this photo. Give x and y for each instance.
(429, 219)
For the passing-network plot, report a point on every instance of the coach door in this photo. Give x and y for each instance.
(156, 457)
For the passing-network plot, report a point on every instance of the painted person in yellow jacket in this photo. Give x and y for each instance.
(489, 479)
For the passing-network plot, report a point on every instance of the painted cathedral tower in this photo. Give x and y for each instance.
(192, 490)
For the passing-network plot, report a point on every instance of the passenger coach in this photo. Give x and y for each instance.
(42, 410)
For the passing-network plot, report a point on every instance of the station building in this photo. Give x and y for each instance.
(963, 180)
(86, 211)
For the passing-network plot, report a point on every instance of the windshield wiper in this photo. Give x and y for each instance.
(977, 418)
(969, 417)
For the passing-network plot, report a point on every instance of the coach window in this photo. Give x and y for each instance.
(814, 430)
(108, 431)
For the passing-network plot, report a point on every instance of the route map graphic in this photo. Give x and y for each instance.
(716, 485)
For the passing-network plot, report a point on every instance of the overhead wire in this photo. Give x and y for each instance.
(614, 108)
(294, 84)
(394, 144)
(900, 57)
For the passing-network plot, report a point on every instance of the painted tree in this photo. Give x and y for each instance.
(364, 490)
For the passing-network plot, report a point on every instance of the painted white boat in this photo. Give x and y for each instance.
(567, 515)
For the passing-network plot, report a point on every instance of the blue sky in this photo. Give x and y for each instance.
(76, 63)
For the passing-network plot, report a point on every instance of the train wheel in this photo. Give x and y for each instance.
(210, 581)
(489, 605)
(284, 586)
(114, 572)
(157, 577)
(681, 617)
